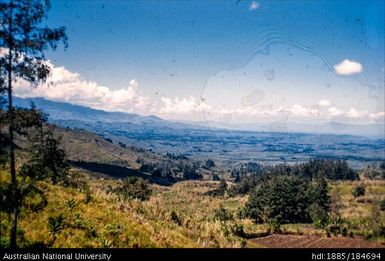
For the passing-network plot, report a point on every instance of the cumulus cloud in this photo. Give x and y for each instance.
(378, 116)
(355, 114)
(324, 103)
(347, 67)
(189, 108)
(71, 87)
(64, 85)
(303, 111)
(334, 111)
(183, 105)
(254, 5)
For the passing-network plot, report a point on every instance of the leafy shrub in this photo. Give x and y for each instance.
(56, 225)
(4, 242)
(105, 243)
(312, 170)
(88, 194)
(330, 169)
(134, 187)
(246, 185)
(238, 230)
(319, 216)
(172, 170)
(373, 172)
(247, 169)
(70, 204)
(358, 191)
(108, 140)
(175, 218)
(220, 191)
(376, 224)
(209, 164)
(382, 205)
(320, 206)
(33, 198)
(222, 214)
(189, 172)
(215, 176)
(286, 199)
(275, 226)
(336, 227)
(76, 180)
(46, 160)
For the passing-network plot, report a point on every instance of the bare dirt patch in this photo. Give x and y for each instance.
(311, 241)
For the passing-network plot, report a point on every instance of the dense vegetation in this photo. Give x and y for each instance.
(312, 169)
(266, 195)
(84, 190)
(248, 176)
(172, 170)
(134, 187)
(289, 199)
(25, 42)
(43, 159)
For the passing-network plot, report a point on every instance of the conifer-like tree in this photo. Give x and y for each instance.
(22, 44)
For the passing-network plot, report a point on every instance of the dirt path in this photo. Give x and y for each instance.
(296, 241)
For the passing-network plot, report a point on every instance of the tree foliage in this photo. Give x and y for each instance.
(25, 40)
(43, 160)
(134, 187)
(249, 176)
(358, 191)
(220, 191)
(287, 199)
(46, 160)
(22, 45)
(209, 164)
(172, 170)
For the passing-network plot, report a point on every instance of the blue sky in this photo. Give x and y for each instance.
(251, 61)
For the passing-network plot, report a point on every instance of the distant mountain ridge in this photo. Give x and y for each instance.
(67, 114)
(61, 111)
(274, 143)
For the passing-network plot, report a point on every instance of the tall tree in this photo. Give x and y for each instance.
(23, 41)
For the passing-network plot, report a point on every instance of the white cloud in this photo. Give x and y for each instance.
(334, 111)
(254, 5)
(347, 67)
(183, 105)
(190, 108)
(324, 103)
(303, 111)
(355, 114)
(378, 115)
(67, 86)
(64, 85)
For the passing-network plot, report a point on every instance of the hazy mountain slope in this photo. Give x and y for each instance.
(225, 146)
(98, 156)
(66, 114)
(65, 111)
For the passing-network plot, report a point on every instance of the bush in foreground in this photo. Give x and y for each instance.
(288, 199)
(134, 187)
(358, 191)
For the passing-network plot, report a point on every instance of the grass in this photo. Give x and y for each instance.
(181, 215)
(107, 221)
(360, 213)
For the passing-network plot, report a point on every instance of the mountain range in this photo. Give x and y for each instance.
(70, 115)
